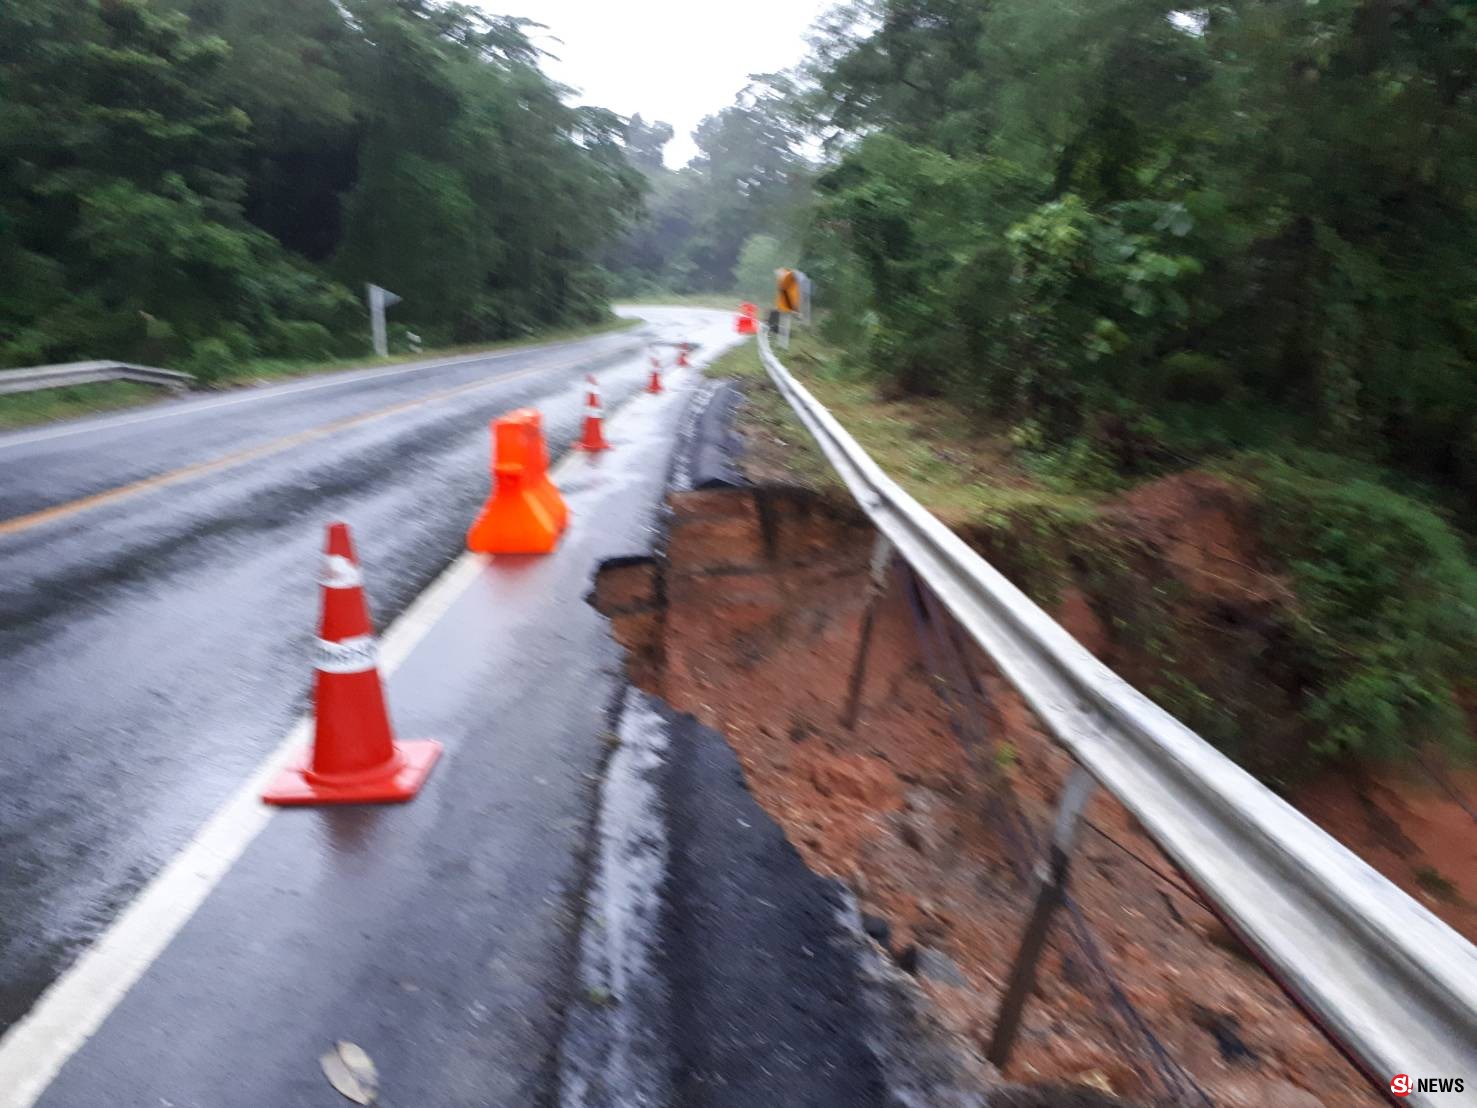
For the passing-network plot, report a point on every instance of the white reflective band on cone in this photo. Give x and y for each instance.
(355, 655)
(339, 573)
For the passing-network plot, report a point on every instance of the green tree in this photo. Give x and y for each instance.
(289, 70)
(1130, 203)
(645, 142)
(749, 177)
(178, 178)
(759, 258)
(482, 197)
(120, 196)
(1153, 233)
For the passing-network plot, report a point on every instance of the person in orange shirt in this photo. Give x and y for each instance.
(786, 304)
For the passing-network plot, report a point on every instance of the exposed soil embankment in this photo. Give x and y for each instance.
(751, 621)
(1412, 822)
(1175, 593)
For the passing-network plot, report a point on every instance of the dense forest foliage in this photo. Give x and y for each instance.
(1146, 237)
(1137, 238)
(1064, 210)
(1061, 214)
(733, 213)
(200, 182)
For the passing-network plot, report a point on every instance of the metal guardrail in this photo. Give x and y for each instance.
(1389, 982)
(87, 373)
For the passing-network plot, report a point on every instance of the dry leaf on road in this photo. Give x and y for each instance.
(351, 1072)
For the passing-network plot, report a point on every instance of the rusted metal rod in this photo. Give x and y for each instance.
(881, 558)
(1051, 874)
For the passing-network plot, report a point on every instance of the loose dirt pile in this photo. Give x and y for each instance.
(751, 622)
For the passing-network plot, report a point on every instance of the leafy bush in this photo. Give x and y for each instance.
(298, 339)
(753, 277)
(210, 360)
(1196, 378)
(1057, 206)
(1386, 617)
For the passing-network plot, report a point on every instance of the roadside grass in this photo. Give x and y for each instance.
(728, 301)
(782, 443)
(265, 369)
(927, 445)
(26, 408)
(49, 405)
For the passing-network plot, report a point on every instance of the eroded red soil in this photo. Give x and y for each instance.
(1414, 823)
(751, 623)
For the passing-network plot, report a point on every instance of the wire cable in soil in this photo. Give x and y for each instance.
(969, 708)
(1003, 811)
(1179, 886)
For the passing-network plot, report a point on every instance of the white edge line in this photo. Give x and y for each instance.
(75, 1005)
(342, 377)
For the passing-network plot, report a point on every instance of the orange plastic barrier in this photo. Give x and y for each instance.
(748, 319)
(542, 486)
(355, 758)
(525, 513)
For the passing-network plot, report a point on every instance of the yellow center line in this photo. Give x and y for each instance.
(16, 524)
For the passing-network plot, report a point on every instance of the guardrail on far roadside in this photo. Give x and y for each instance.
(88, 373)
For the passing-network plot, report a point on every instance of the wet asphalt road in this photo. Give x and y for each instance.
(153, 645)
(737, 976)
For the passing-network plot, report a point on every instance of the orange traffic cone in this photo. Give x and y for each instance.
(593, 438)
(355, 758)
(655, 384)
(682, 355)
(748, 319)
(525, 513)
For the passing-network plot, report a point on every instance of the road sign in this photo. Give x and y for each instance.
(379, 300)
(787, 290)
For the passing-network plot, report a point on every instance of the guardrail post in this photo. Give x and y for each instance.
(882, 551)
(1051, 877)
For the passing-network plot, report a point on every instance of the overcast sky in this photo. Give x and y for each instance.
(677, 60)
